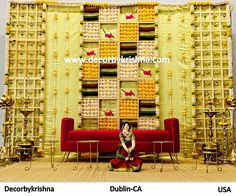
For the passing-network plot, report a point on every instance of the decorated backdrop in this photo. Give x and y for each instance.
(196, 38)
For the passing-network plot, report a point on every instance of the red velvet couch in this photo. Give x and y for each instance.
(109, 139)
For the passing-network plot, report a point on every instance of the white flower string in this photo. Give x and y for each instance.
(67, 54)
(194, 125)
(170, 73)
(184, 88)
(157, 71)
(43, 65)
(55, 70)
(80, 71)
(122, 3)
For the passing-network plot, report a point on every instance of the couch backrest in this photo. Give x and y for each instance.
(94, 135)
(140, 135)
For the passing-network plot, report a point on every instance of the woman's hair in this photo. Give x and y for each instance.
(130, 126)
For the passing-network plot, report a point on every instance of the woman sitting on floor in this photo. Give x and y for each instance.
(127, 159)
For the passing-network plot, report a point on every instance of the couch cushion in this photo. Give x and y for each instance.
(94, 135)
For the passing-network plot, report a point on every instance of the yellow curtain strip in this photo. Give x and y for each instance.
(199, 3)
(229, 32)
(148, 3)
(95, 4)
(8, 28)
(46, 1)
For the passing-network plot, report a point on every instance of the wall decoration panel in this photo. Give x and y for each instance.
(175, 77)
(120, 86)
(62, 79)
(25, 70)
(211, 32)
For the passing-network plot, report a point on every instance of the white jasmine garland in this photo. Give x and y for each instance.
(231, 92)
(193, 76)
(42, 107)
(194, 112)
(22, 1)
(193, 89)
(79, 2)
(194, 123)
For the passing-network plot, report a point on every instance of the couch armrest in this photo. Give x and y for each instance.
(67, 124)
(172, 124)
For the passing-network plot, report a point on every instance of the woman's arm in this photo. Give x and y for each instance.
(124, 146)
(123, 142)
(132, 143)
